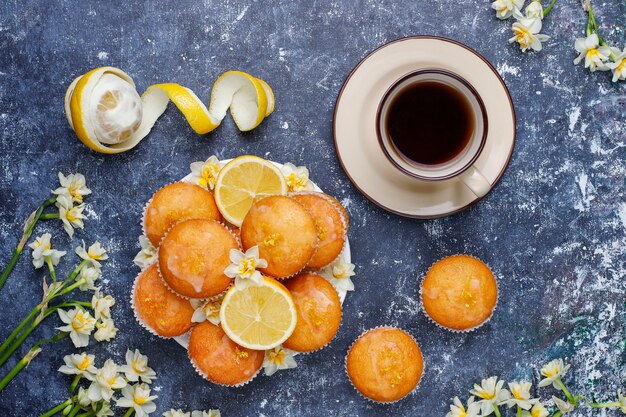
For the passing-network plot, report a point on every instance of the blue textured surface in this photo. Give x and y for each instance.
(553, 229)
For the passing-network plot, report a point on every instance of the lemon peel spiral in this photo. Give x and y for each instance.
(107, 114)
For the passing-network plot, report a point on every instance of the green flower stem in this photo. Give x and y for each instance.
(89, 413)
(72, 287)
(496, 410)
(75, 383)
(558, 414)
(56, 409)
(51, 269)
(30, 355)
(592, 26)
(549, 8)
(604, 405)
(129, 412)
(569, 396)
(519, 411)
(28, 231)
(72, 276)
(74, 410)
(49, 216)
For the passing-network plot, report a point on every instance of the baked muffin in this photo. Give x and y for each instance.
(330, 226)
(285, 233)
(385, 364)
(319, 312)
(157, 308)
(459, 292)
(193, 256)
(219, 359)
(176, 202)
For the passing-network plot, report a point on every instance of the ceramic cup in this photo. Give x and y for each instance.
(460, 166)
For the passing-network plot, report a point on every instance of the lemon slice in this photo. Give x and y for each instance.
(243, 180)
(107, 114)
(259, 317)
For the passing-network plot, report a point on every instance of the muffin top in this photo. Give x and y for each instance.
(176, 202)
(319, 312)
(385, 364)
(459, 292)
(219, 359)
(158, 308)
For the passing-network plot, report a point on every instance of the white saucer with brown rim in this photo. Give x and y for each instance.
(355, 120)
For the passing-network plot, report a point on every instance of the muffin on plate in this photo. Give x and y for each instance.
(220, 360)
(385, 364)
(176, 202)
(459, 293)
(193, 256)
(319, 312)
(285, 233)
(330, 224)
(157, 308)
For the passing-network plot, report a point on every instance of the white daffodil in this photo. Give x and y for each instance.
(297, 178)
(89, 274)
(244, 267)
(520, 395)
(107, 379)
(79, 364)
(175, 413)
(137, 397)
(595, 56)
(147, 255)
(491, 393)
(458, 410)
(83, 397)
(101, 305)
(534, 10)
(106, 330)
(137, 367)
(339, 275)
(74, 186)
(80, 324)
(505, 8)
(278, 359)
(206, 310)
(538, 410)
(205, 173)
(105, 409)
(618, 67)
(71, 216)
(209, 413)
(553, 371)
(94, 254)
(563, 406)
(526, 34)
(42, 251)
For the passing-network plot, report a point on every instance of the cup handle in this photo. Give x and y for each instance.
(476, 181)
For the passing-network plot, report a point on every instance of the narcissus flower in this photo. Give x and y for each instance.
(244, 267)
(137, 397)
(552, 372)
(278, 359)
(595, 56)
(80, 324)
(137, 367)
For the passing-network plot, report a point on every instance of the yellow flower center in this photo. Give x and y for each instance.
(549, 373)
(535, 412)
(140, 398)
(277, 357)
(211, 309)
(73, 190)
(79, 322)
(111, 381)
(517, 394)
(522, 36)
(295, 183)
(593, 53)
(340, 273)
(84, 364)
(71, 215)
(94, 255)
(209, 175)
(247, 267)
(622, 65)
(137, 366)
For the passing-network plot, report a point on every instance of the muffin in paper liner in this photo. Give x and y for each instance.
(142, 321)
(469, 329)
(217, 218)
(342, 218)
(231, 283)
(413, 390)
(207, 339)
(261, 214)
(308, 336)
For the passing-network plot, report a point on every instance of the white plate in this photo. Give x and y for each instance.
(354, 126)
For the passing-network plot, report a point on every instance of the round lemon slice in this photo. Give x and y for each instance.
(259, 317)
(243, 180)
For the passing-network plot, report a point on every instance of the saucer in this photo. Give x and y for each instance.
(354, 126)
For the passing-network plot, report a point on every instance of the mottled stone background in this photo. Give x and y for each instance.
(553, 229)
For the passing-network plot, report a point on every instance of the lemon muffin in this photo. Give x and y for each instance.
(157, 308)
(219, 359)
(459, 292)
(193, 256)
(385, 364)
(319, 312)
(285, 233)
(176, 202)
(330, 226)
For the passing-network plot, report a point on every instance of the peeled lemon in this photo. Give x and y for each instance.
(107, 114)
(259, 317)
(242, 181)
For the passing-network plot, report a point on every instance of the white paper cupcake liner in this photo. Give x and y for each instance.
(384, 402)
(421, 301)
